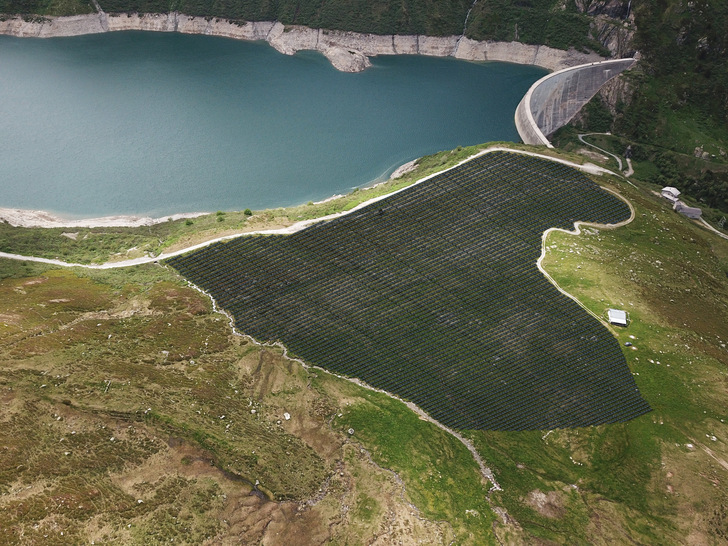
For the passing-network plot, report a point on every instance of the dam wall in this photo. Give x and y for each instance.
(555, 99)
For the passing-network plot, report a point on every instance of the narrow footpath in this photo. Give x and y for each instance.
(629, 171)
(589, 168)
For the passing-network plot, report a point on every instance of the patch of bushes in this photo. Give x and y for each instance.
(535, 22)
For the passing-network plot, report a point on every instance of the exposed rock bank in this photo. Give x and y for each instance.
(347, 51)
(44, 219)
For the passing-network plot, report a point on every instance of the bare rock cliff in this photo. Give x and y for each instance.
(616, 36)
(347, 51)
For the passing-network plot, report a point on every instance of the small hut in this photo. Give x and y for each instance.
(693, 213)
(670, 193)
(617, 317)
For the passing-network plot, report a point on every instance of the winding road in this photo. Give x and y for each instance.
(628, 172)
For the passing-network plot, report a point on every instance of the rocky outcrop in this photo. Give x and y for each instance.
(177, 22)
(616, 36)
(516, 52)
(47, 27)
(347, 51)
(616, 91)
(347, 60)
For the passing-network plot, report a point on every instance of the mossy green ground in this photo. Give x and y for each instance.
(132, 414)
(657, 478)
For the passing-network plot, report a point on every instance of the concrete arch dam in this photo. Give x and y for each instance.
(555, 99)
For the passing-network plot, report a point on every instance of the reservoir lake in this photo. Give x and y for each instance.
(156, 123)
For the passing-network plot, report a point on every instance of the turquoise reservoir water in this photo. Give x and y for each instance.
(151, 123)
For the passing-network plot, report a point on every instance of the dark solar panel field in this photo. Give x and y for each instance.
(433, 294)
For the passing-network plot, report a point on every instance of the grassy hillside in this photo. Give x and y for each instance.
(131, 415)
(46, 7)
(682, 104)
(673, 108)
(685, 48)
(124, 386)
(549, 22)
(657, 479)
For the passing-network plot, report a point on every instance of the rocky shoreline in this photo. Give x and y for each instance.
(347, 51)
(43, 219)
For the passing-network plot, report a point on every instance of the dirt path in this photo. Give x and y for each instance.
(628, 172)
(706, 449)
(577, 231)
(581, 137)
(711, 228)
(587, 167)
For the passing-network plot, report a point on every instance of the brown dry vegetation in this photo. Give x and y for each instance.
(131, 414)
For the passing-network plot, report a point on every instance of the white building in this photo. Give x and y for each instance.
(617, 317)
(670, 193)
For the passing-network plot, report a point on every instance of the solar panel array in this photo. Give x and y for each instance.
(433, 294)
